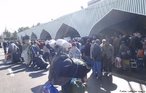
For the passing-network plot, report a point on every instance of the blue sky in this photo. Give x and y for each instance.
(22, 13)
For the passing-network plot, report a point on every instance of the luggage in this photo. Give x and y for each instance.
(49, 88)
(118, 61)
(126, 64)
(64, 66)
(16, 57)
(140, 53)
(140, 64)
(73, 87)
(75, 68)
(133, 64)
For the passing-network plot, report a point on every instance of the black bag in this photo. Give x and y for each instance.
(16, 56)
(73, 68)
(63, 66)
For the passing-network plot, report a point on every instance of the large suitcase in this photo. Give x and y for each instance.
(16, 57)
(133, 64)
(126, 64)
(140, 64)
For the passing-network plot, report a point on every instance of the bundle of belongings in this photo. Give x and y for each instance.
(63, 68)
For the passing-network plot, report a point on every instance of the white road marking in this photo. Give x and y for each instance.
(10, 72)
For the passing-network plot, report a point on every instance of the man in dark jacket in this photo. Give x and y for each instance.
(5, 45)
(96, 55)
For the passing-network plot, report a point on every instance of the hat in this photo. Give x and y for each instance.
(103, 40)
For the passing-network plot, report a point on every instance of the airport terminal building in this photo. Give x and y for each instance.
(123, 16)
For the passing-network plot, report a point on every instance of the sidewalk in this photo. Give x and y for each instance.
(136, 76)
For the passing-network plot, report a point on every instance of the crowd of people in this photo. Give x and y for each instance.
(100, 53)
(104, 49)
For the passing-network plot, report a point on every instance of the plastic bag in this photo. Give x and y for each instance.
(49, 88)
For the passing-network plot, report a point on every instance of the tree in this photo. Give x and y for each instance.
(38, 24)
(9, 36)
(6, 33)
(14, 34)
(22, 29)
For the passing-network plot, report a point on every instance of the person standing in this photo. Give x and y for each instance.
(86, 52)
(96, 56)
(5, 45)
(107, 55)
(75, 52)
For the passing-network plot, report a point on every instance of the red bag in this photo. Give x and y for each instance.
(140, 53)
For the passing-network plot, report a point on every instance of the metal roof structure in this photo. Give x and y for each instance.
(93, 19)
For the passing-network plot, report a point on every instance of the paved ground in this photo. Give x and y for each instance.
(18, 78)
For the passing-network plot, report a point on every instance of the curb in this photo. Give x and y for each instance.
(129, 78)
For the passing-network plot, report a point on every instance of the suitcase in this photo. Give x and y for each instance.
(140, 64)
(126, 64)
(16, 56)
(133, 64)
